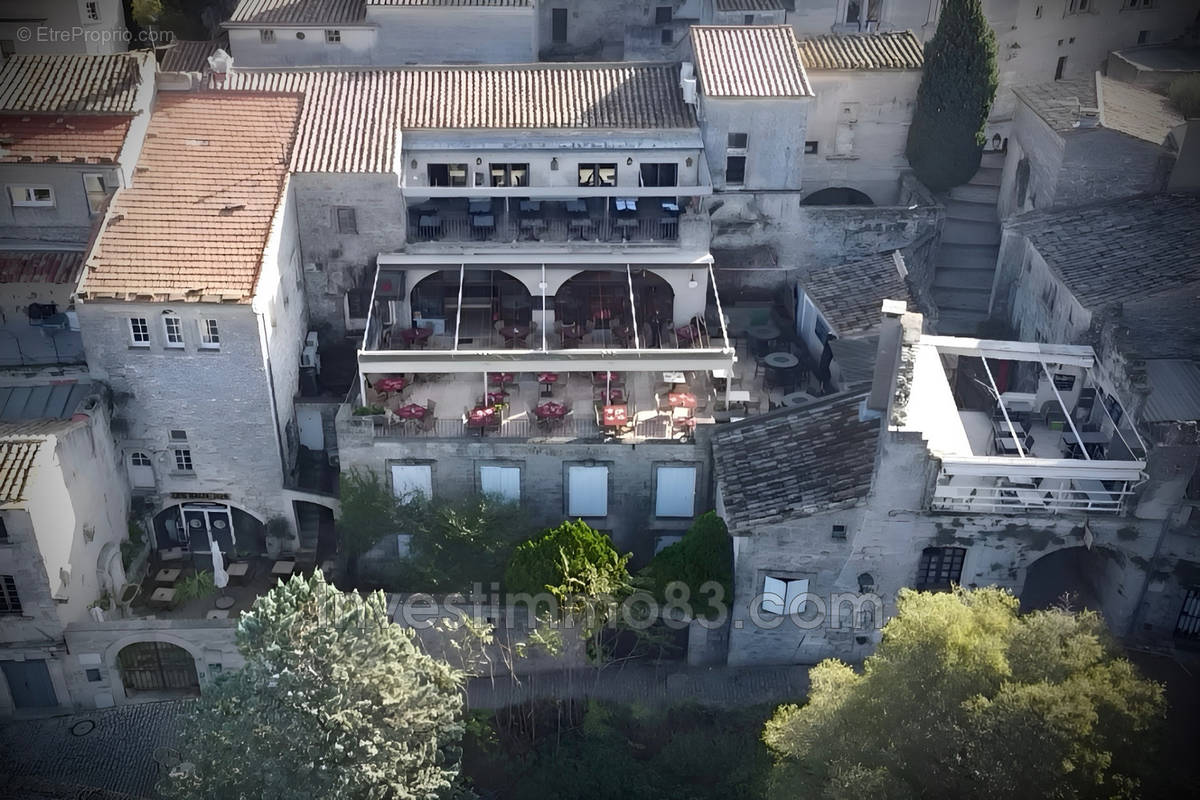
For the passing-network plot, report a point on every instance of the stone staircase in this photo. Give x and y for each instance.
(965, 263)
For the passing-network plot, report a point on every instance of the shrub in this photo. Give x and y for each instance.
(561, 556)
(705, 553)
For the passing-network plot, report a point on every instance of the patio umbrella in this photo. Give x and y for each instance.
(220, 576)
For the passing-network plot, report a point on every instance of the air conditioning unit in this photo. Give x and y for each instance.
(311, 339)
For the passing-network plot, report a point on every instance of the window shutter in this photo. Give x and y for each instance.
(795, 590)
(587, 492)
(676, 492)
(502, 481)
(411, 479)
(774, 593)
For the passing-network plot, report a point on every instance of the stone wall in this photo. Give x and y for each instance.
(885, 536)
(455, 466)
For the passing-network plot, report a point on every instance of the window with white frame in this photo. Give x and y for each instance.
(587, 491)
(139, 331)
(410, 480)
(91, 11)
(504, 482)
(266, 36)
(784, 595)
(675, 492)
(173, 331)
(210, 334)
(97, 191)
(333, 36)
(31, 196)
(183, 459)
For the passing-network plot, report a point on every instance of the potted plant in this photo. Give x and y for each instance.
(279, 533)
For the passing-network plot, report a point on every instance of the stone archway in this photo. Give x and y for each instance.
(156, 669)
(1077, 577)
(838, 196)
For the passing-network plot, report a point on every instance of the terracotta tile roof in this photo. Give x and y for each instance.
(40, 266)
(866, 51)
(351, 117)
(49, 138)
(797, 461)
(205, 190)
(17, 455)
(191, 56)
(67, 84)
(417, 3)
(1135, 111)
(749, 61)
(750, 5)
(301, 12)
(850, 295)
(1119, 250)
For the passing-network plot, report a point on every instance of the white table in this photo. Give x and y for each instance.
(673, 377)
(283, 568)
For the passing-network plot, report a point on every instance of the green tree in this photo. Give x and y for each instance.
(334, 701)
(369, 512)
(562, 558)
(965, 698)
(957, 87)
(703, 555)
(146, 12)
(462, 542)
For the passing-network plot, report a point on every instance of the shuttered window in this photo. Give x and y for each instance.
(501, 481)
(587, 492)
(409, 480)
(782, 595)
(675, 493)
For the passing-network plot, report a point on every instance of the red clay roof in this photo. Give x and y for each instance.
(749, 61)
(195, 222)
(49, 138)
(40, 266)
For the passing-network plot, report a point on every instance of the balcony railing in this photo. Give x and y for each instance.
(430, 228)
(1034, 486)
(573, 428)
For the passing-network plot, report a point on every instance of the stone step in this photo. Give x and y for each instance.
(976, 194)
(952, 278)
(952, 322)
(986, 176)
(993, 160)
(961, 231)
(967, 256)
(975, 212)
(974, 300)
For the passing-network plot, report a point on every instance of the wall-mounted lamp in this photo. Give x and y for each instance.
(478, 161)
(629, 162)
(692, 284)
(554, 163)
(542, 285)
(996, 141)
(688, 161)
(413, 163)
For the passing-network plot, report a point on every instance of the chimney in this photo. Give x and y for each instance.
(221, 64)
(887, 356)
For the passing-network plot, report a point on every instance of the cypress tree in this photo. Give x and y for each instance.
(945, 140)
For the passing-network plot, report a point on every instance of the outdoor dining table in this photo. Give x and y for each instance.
(681, 400)
(781, 360)
(796, 399)
(531, 205)
(687, 333)
(615, 394)
(762, 335)
(387, 385)
(615, 415)
(515, 331)
(167, 576)
(550, 410)
(606, 377)
(479, 206)
(576, 207)
(497, 398)
(411, 411)
(416, 335)
(547, 381)
(500, 378)
(482, 417)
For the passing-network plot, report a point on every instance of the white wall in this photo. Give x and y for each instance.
(860, 121)
(65, 29)
(248, 50)
(775, 145)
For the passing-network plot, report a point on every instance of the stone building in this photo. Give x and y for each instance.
(63, 507)
(1079, 141)
(94, 27)
(192, 302)
(967, 462)
(290, 33)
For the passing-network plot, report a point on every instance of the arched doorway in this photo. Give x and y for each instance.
(599, 300)
(488, 297)
(158, 668)
(838, 196)
(193, 526)
(1075, 577)
(141, 470)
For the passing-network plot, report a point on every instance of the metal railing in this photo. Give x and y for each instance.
(574, 427)
(996, 495)
(584, 229)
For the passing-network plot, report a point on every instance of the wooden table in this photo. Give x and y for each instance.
(283, 567)
(168, 576)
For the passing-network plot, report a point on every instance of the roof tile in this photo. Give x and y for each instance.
(298, 11)
(40, 266)
(68, 84)
(863, 51)
(749, 61)
(851, 295)
(50, 138)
